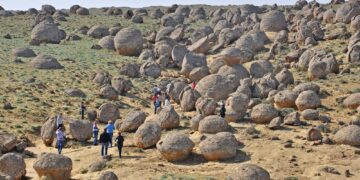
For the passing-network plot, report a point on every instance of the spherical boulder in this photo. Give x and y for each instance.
(349, 135)
(263, 113)
(273, 21)
(55, 166)
(175, 146)
(107, 42)
(306, 86)
(43, 61)
(310, 114)
(285, 99)
(151, 69)
(233, 56)
(249, 172)
(133, 120)
(98, 31)
(260, 67)
(45, 32)
(307, 100)
(213, 124)
(221, 146)
(108, 111)
(48, 131)
(23, 52)
(188, 98)
(74, 92)
(7, 142)
(129, 42)
(346, 12)
(82, 11)
(13, 165)
(352, 101)
(168, 118)
(121, 85)
(147, 135)
(81, 130)
(108, 175)
(205, 106)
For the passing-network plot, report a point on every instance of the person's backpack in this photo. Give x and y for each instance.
(157, 103)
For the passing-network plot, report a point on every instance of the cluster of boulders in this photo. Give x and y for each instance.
(12, 153)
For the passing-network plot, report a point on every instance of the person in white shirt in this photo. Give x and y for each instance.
(59, 120)
(60, 136)
(167, 100)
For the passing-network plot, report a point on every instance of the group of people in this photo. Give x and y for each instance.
(159, 98)
(105, 138)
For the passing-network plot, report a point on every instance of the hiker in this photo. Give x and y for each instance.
(156, 90)
(59, 120)
(96, 133)
(167, 100)
(222, 110)
(60, 136)
(119, 141)
(168, 87)
(193, 85)
(82, 110)
(110, 130)
(104, 140)
(157, 103)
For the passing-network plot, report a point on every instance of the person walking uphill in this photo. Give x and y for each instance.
(96, 133)
(82, 110)
(110, 130)
(104, 140)
(119, 141)
(222, 110)
(60, 136)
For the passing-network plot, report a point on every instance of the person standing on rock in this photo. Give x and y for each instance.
(222, 110)
(60, 136)
(104, 140)
(110, 130)
(59, 120)
(119, 141)
(82, 110)
(95, 132)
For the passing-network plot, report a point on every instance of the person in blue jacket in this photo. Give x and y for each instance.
(110, 130)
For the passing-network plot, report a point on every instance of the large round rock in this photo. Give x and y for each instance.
(168, 118)
(175, 146)
(48, 131)
(54, 166)
(307, 100)
(108, 111)
(263, 113)
(129, 42)
(221, 146)
(249, 172)
(349, 135)
(132, 121)
(45, 62)
(285, 99)
(45, 32)
(213, 124)
(81, 130)
(147, 135)
(13, 165)
(352, 101)
(273, 21)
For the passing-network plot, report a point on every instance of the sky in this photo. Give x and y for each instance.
(65, 4)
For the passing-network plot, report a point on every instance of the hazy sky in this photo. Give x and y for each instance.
(65, 4)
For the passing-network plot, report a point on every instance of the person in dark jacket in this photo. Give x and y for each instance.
(222, 110)
(119, 141)
(104, 140)
(82, 110)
